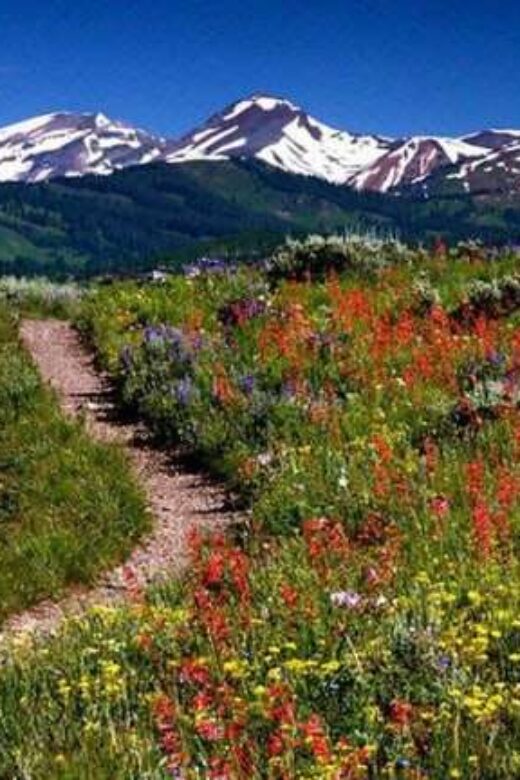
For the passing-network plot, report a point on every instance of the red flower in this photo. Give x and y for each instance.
(275, 744)
(289, 595)
(326, 540)
(214, 569)
(508, 488)
(475, 478)
(209, 730)
(314, 733)
(164, 712)
(239, 569)
(282, 707)
(431, 455)
(163, 708)
(144, 641)
(220, 770)
(194, 672)
(400, 712)
(202, 701)
(482, 528)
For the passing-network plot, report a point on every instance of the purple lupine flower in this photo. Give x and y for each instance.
(153, 334)
(184, 390)
(443, 663)
(173, 340)
(350, 599)
(197, 342)
(496, 358)
(247, 384)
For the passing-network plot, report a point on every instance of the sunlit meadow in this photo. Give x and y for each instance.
(362, 400)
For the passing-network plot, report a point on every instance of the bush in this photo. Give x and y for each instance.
(316, 256)
(40, 296)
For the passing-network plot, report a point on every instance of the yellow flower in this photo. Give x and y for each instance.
(474, 597)
(235, 668)
(299, 665)
(110, 668)
(330, 667)
(84, 687)
(91, 726)
(64, 689)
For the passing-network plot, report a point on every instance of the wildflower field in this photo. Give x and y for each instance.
(364, 402)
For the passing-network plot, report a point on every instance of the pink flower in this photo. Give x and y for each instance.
(440, 506)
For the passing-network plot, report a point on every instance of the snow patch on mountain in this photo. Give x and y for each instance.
(268, 128)
(279, 133)
(412, 161)
(500, 165)
(67, 144)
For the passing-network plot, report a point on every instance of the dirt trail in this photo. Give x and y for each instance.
(179, 499)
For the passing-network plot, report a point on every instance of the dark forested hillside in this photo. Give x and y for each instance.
(143, 215)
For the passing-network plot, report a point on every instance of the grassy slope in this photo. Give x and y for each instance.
(68, 507)
(140, 212)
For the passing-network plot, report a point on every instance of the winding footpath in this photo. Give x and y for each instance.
(179, 499)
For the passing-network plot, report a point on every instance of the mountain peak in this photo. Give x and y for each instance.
(259, 105)
(71, 144)
(269, 101)
(277, 131)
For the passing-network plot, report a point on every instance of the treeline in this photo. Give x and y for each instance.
(171, 213)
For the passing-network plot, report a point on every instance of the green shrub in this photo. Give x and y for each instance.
(317, 255)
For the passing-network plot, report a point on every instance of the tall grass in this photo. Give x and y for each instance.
(68, 507)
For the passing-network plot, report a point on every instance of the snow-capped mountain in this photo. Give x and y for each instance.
(67, 144)
(279, 133)
(412, 161)
(282, 134)
(271, 129)
(498, 171)
(493, 139)
(494, 170)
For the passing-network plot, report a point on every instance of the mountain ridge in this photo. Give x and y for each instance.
(271, 129)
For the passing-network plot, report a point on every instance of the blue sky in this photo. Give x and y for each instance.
(390, 66)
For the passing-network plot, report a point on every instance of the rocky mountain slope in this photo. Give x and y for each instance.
(67, 144)
(275, 131)
(281, 134)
